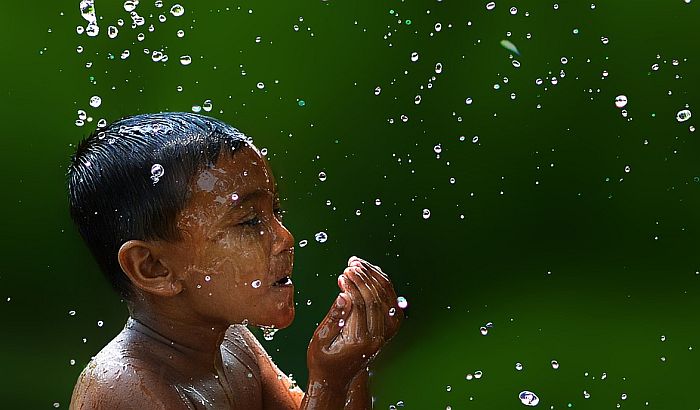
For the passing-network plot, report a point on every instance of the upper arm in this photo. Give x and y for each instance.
(123, 387)
(277, 389)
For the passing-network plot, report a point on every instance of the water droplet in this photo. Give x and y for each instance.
(125, 54)
(207, 278)
(586, 395)
(449, 388)
(417, 99)
(624, 396)
(185, 60)
(95, 101)
(112, 31)
(196, 108)
(377, 90)
(438, 68)
(341, 322)
(207, 105)
(256, 283)
(308, 302)
(303, 243)
(321, 237)
(392, 311)
(377, 201)
(478, 374)
(402, 302)
(491, 5)
(157, 172)
(268, 332)
(469, 376)
(516, 63)
(301, 103)
(72, 312)
(260, 85)
(468, 101)
(322, 176)
(82, 114)
(177, 10)
(100, 323)
(620, 101)
(518, 366)
(555, 364)
(655, 67)
(130, 5)
(510, 46)
(414, 56)
(438, 26)
(157, 56)
(484, 331)
(92, 30)
(437, 149)
(683, 115)
(426, 213)
(528, 398)
(513, 10)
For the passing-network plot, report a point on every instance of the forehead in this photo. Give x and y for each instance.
(242, 173)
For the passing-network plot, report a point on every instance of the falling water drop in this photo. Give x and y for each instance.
(177, 10)
(683, 115)
(321, 237)
(157, 172)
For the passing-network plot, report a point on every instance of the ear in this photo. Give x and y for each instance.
(146, 271)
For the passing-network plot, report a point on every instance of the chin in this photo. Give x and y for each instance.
(285, 318)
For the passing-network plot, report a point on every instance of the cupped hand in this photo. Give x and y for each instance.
(362, 320)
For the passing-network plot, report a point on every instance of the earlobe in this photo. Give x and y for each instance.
(140, 262)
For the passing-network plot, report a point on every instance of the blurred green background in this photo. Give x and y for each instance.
(567, 222)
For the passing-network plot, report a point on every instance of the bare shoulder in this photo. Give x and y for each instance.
(113, 380)
(279, 391)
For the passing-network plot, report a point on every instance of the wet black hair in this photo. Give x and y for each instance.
(130, 180)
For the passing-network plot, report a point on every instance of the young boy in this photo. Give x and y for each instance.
(181, 213)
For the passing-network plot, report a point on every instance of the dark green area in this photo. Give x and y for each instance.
(570, 256)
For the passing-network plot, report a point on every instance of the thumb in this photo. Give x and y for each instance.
(330, 327)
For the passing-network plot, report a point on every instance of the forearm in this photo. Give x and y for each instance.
(359, 397)
(321, 396)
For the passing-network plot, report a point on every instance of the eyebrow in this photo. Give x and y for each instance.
(234, 206)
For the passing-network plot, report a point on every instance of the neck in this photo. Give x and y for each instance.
(200, 341)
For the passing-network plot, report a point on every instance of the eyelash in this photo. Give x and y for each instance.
(279, 213)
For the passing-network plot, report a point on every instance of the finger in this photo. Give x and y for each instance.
(354, 261)
(380, 311)
(372, 266)
(359, 329)
(393, 314)
(383, 280)
(375, 324)
(329, 328)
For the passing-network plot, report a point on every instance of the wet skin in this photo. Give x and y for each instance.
(184, 345)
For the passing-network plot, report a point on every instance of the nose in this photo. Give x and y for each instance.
(282, 238)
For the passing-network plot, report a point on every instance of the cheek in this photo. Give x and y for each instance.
(242, 256)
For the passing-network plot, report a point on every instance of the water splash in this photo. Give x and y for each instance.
(87, 10)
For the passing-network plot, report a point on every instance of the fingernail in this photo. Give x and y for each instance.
(340, 301)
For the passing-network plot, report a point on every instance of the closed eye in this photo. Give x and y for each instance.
(255, 220)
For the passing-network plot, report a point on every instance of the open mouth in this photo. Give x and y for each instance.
(285, 281)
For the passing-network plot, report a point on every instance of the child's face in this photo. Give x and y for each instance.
(235, 250)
